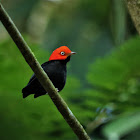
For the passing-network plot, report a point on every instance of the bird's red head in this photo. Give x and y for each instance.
(61, 53)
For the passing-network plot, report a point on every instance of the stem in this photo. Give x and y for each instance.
(42, 76)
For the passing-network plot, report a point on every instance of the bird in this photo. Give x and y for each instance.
(56, 71)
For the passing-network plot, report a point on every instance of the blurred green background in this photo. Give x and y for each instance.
(103, 84)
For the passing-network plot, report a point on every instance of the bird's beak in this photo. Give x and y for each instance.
(72, 53)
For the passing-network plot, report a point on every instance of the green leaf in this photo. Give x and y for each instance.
(122, 126)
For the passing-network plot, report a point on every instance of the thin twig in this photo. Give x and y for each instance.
(42, 76)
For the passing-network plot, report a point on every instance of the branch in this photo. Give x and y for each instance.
(134, 10)
(42, 76)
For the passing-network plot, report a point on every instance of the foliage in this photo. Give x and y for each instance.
(102, 86)
(115, 81)
(36, 118)
(129, 122)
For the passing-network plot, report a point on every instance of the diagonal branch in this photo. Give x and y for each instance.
(42, 76)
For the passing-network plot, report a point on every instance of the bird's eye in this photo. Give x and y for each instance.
(62, 53)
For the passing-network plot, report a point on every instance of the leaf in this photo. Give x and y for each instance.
(122, 126)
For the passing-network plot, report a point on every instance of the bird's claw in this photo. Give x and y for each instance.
(57, 89)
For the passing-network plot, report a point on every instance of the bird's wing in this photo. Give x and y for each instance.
(45, 64)
(32, 79)
(33, 76)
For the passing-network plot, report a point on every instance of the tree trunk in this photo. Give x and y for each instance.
(134, 10)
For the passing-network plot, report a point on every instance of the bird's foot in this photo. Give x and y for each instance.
(57, 89)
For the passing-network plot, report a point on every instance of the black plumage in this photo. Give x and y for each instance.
(56, 70)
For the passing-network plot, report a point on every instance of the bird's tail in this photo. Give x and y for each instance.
(25, 92)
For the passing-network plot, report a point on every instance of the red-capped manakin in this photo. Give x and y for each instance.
(55, 69)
